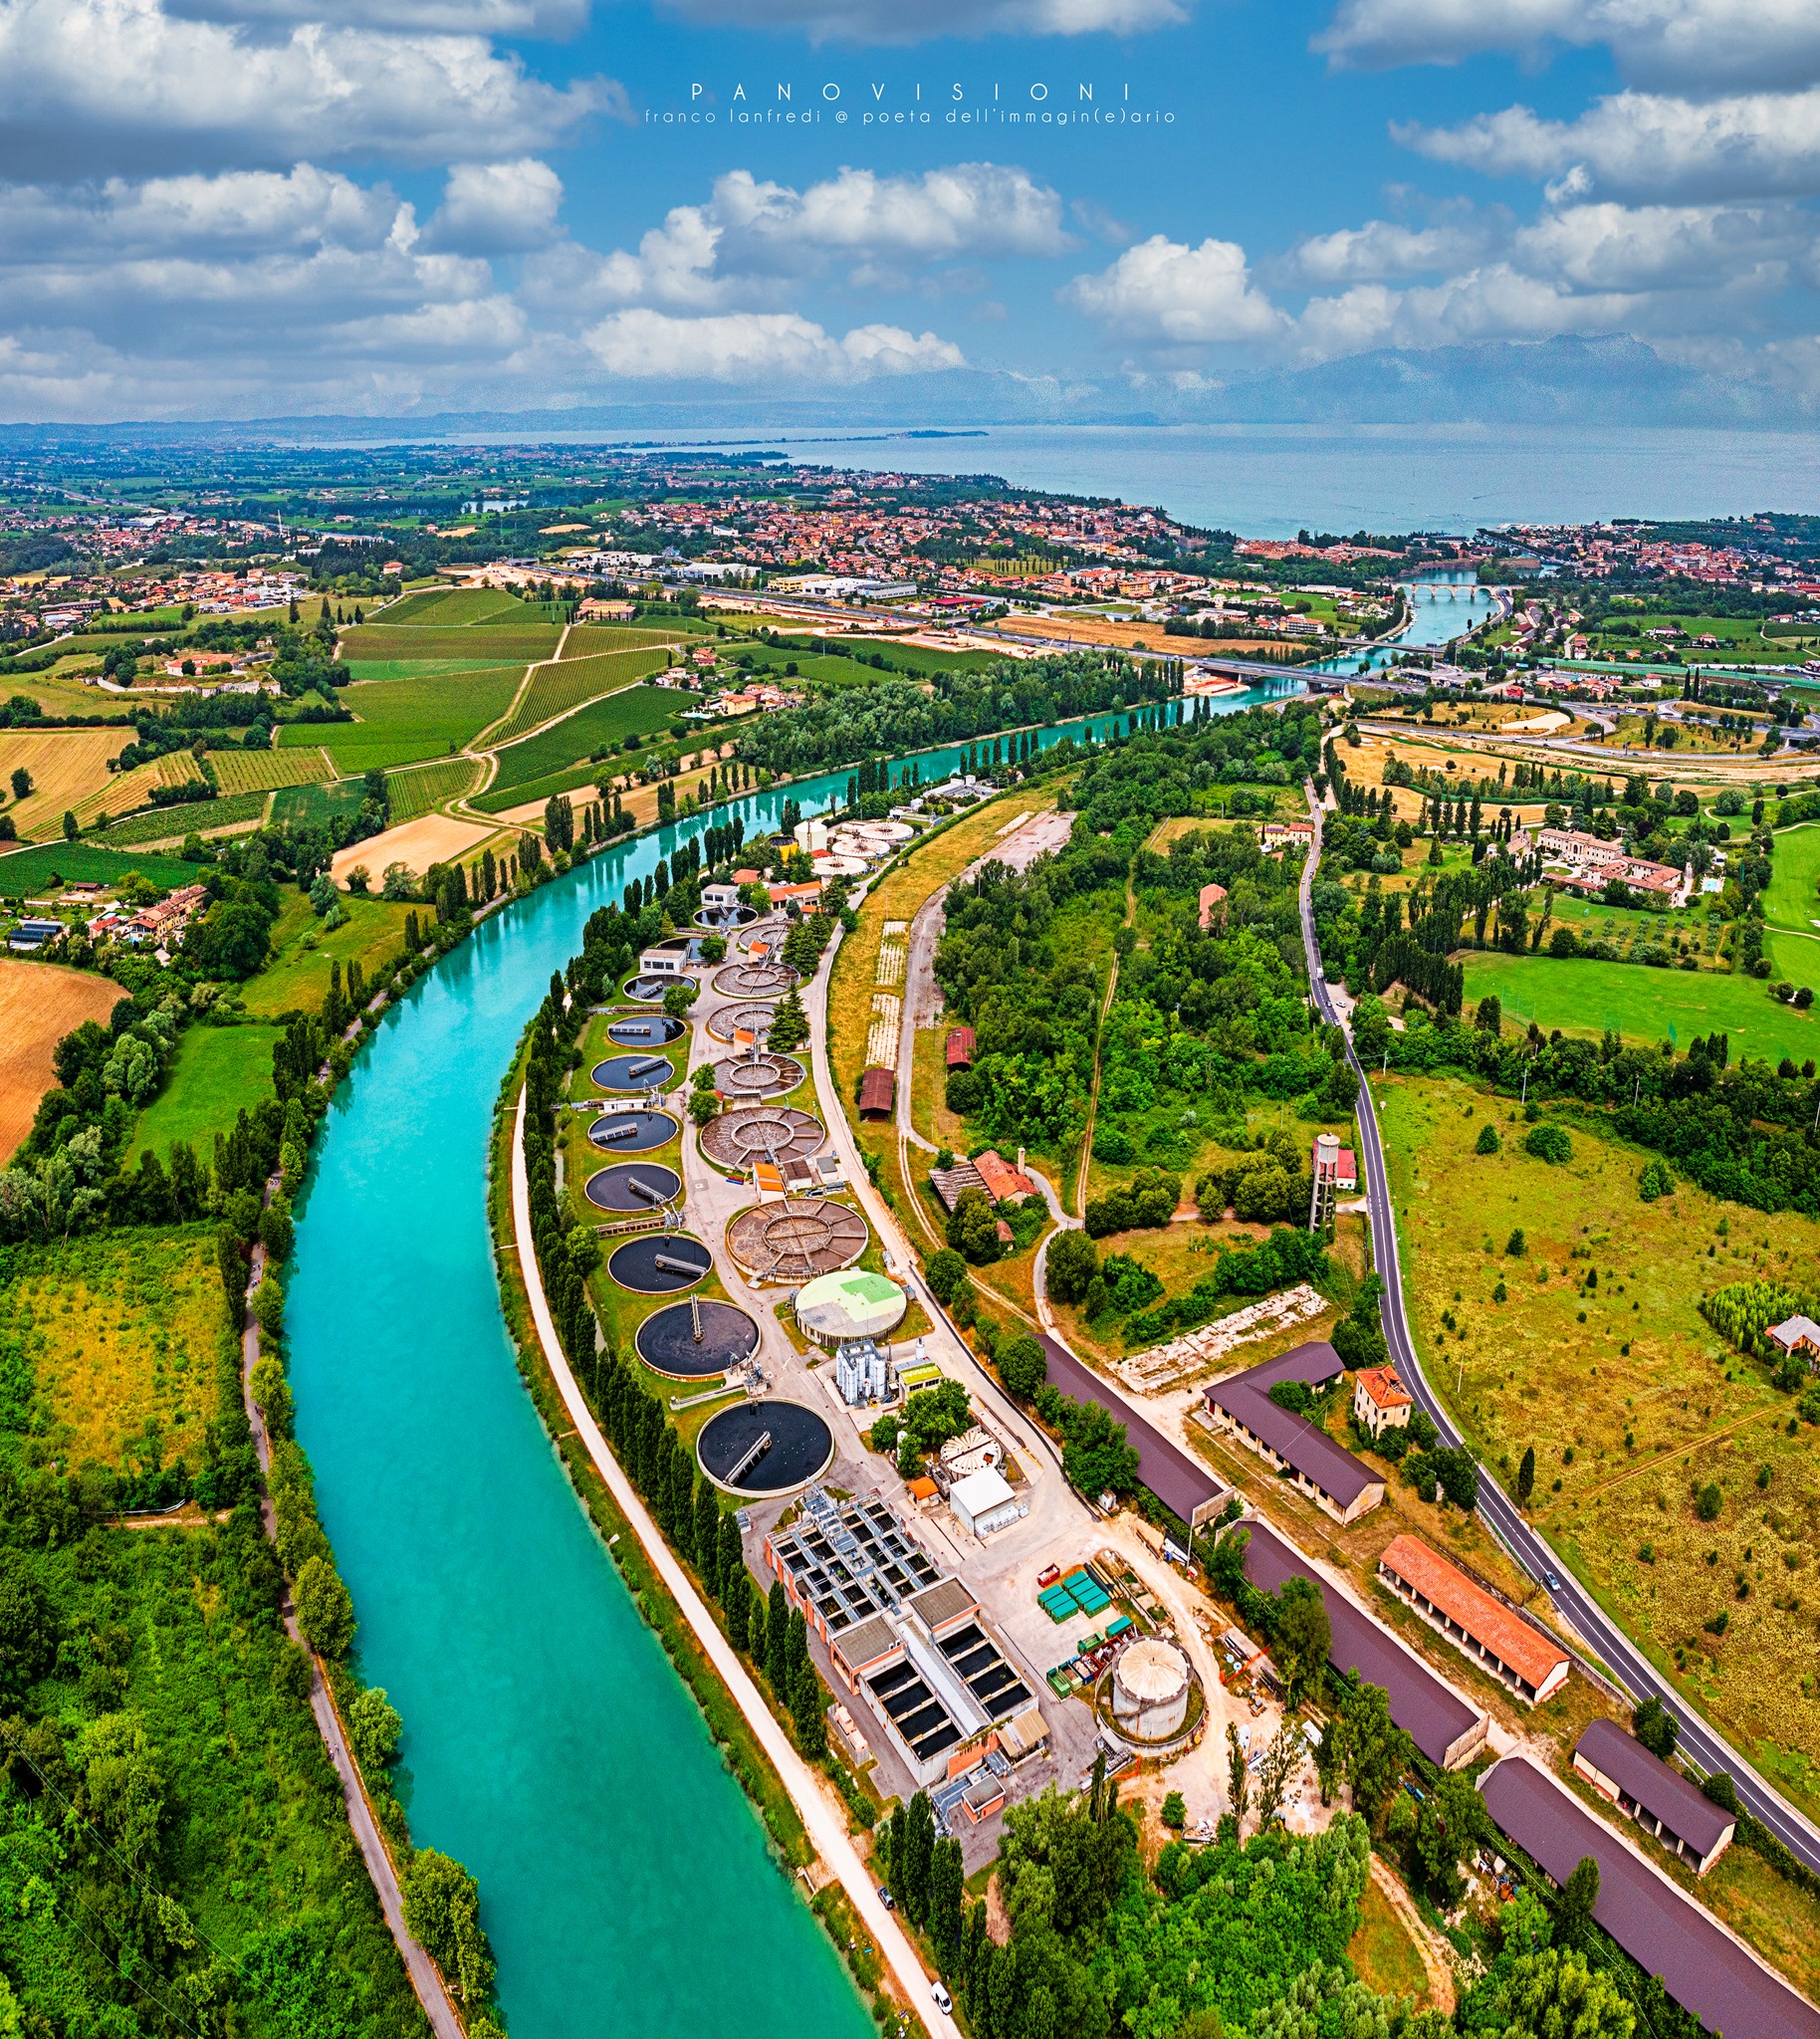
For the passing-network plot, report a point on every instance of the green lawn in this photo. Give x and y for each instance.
(296, 980)
(634, 710)
(1644, 1005)
(217, 1071)
(28, 872)
(1791, 906)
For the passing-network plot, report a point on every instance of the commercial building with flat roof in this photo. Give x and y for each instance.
(1660, 1800)
(1531, 1664)
(1662, 1929)
(1447, 1731)
(1325, 1470)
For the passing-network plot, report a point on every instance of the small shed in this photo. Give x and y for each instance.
(959, 1049)
(984, 1502)
(877, 1094)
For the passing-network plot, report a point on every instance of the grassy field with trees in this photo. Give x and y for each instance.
(634, 710)
(216, 1073)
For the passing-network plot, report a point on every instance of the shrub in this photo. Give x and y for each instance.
(1488, 1142)
(1548, 1142)
(1707, 1502)
(1021, 1365)
(1657, 1180)
(1071, 1265)
(947, 1274)
(1113, 1144)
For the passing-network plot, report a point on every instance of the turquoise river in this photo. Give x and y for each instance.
(625, 1880)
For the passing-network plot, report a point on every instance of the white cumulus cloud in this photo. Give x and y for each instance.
(489, 208)
(100, 86)
(1381, 249)
(1697, 45)
(1163, 292)
(1648, 145)
(761, 348)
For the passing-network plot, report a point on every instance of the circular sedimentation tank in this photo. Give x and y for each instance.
(660, 1264)
(747, 1014)
(696, 1340)
(722, 919)
(633, 1132)
(640, 1071)
(778, 1132)
(797, 1239)
(648, 991)
(754, 980)
(764, 1447)
(645, 1029)
(765, 1075)
(1151, 1681)
(834, 1309)
(634, 1186)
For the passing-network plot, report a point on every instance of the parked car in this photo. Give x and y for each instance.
(943, 2001)
(886, 1900)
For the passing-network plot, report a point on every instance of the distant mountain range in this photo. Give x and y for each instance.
(1611, 380)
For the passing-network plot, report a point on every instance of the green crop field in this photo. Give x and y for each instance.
(1644, 1005)
(634, 710)
(296, 977)
(411, 668)
(217, 1071)
(401, 721)
(261, 771)
(555, 689)
(586, 639)
(513, 643)
(1791, 906)
(161, 824)
(315, 806)
(423, 786)
(446, 606)
(26, 873)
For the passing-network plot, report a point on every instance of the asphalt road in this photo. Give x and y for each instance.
(1700, 1743)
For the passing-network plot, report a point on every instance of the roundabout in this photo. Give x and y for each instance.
(692, 1341)
(774, 1133)
(762, 1074)
(749, 1017)
(634, 1072)
(763, 1448)
(754, 980)
(634, 1186)
(797, 1239)
(635, 1132)
(659, 1264)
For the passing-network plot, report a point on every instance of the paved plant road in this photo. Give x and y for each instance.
(1700, 1744)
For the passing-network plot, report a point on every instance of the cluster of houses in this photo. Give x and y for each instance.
(161, 924)
(1589, 864)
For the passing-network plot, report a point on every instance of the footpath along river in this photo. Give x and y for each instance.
(624, 1879)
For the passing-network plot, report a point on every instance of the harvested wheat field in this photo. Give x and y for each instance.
(67, 768)
(39, 1003)
(431, 839)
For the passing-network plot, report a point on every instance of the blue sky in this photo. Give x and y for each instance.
(237, 207)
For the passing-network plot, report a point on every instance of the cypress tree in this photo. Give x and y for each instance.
(947, 1889)
(735, 1596)
(731, 1559)
(1525, 1477)
(755, 1637)
(807, 1707)
(708, 1536)
(918, 1847)
(777, 1618)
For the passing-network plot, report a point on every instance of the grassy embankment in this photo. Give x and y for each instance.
(1630, 1400)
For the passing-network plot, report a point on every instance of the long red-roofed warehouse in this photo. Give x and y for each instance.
(1531, 1664)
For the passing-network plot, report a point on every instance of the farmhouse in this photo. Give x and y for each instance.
(1003, 1184)
(1324, 1470)
(1532, 1665)
(1660, 1800)
(1289, 835)
(1797, 1335)
(1379, 1399)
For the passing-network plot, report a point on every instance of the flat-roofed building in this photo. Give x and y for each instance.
(1660, 1800)
(1702, 1967)
(1442, 1725)
(1532, 1664)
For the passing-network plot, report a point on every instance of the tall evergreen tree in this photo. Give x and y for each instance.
(919, 1852)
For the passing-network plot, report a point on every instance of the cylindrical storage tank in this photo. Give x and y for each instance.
(1150, 1684)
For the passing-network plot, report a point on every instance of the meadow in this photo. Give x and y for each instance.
(557, 687)
(216, 1071)
(1644, 1005)
(508, 644)
(1599, 1360)
(296, 977)
(314, 807)
(400, 720)
(67, 768)
(171, 825)
(122, 1331)
(634, 711)
(29, 873)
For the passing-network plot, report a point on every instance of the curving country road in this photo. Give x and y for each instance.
(1700, 1743)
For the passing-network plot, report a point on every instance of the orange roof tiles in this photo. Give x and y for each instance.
(1000, 1179)
(1486, 1620)
(1384, 1387)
